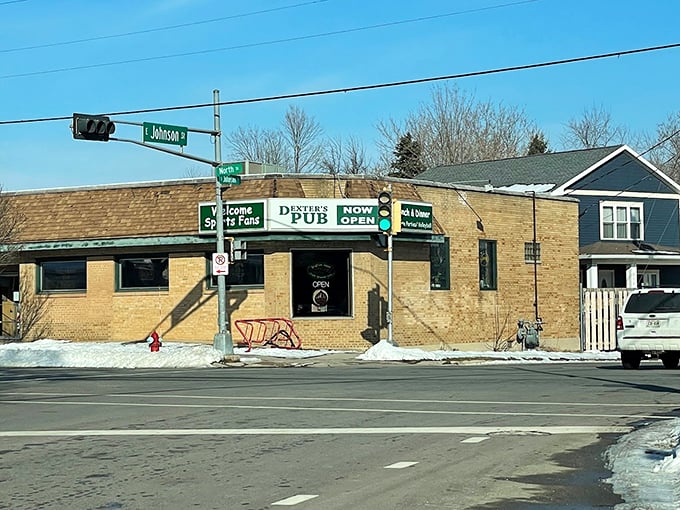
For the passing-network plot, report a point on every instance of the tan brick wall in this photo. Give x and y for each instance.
(465, 315)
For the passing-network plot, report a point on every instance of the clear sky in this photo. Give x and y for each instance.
(176, 52)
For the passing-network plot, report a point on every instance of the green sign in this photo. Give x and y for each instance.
(228, 173)
(416, 217)
(164, 133)
(229, 179)
(240, 216)
(359, 214)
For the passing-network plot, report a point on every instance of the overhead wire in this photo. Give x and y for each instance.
(157, 29)
(261, 43)
(363, 87)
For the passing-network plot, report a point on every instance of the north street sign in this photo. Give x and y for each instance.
(164, 133)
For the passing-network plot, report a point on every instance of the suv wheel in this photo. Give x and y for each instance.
(630, 360)
(670, 359)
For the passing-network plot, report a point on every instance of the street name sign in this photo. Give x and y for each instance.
(228, 173)
(164, 133)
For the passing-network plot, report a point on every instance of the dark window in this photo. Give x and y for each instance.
(440, 269)
(487, 265)
(143, 272)
(532, 252)
(242, 273)
(56, 275)
(321, 283)
(651, 302)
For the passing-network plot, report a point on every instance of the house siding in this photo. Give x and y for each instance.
(623, 172)
(661, 219)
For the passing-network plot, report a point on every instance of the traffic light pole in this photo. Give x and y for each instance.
(222, 341)
(390, 324)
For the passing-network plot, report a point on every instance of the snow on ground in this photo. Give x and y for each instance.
(645, 463)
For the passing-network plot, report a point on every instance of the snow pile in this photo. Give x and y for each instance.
(384, 351)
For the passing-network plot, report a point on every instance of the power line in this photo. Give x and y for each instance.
(158, 29)
(12, 2)
(370, 87)
(261, 43)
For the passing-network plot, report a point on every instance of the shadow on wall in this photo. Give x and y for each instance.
(194, 300)
(376, 316)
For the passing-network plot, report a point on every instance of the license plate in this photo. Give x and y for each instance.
(653, 323)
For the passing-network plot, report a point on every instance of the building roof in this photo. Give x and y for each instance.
(549, 171)
(169, 208)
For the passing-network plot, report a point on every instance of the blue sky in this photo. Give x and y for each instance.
(639, 90)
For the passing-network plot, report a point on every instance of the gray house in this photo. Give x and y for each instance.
(629, 217)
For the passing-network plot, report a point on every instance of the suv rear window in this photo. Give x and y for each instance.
(649, 302)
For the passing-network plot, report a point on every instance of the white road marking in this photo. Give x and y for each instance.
(474, 439)
(469, 431)
(334, 409)
(341, 399)
(400, 465)
(294, 500)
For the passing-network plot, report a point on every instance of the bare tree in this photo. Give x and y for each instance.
(594, 128)
(345, 157)
(302, 134)
(261, 145)
(665, 152)
(10, 227)
(454, 127)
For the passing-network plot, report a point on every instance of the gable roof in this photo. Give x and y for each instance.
(547, 171)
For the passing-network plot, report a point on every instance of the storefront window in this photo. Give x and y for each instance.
(321, 281)
(242, 273)
(143, 272)
(67, 275)
(440, 266)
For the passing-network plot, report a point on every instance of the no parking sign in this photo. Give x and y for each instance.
(220, 264)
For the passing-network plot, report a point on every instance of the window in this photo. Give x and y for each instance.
(532, 252)
(647, 278)
(621, 220)
(487, 264)
(322, 284)
(143, 272)
(62, 275)
(440, 270)
(242, 273)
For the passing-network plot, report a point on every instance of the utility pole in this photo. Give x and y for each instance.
(222, 341)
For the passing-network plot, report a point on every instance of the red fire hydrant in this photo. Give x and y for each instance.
(154, 342)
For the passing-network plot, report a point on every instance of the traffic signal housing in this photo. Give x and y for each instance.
(92, 127)
(385, 212)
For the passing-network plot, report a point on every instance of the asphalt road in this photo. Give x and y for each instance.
(369, 436)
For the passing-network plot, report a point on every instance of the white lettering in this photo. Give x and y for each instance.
(324, 285)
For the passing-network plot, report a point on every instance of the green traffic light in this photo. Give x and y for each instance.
(384, 224)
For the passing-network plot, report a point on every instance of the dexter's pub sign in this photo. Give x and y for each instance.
(309, 215)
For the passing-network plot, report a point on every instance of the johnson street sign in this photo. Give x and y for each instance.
(164, 133)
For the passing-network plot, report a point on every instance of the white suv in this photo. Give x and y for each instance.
(649, 326)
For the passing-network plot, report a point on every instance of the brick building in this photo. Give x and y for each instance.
(116, 262)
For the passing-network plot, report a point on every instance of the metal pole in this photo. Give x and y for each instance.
(222, 341)
(390, 328)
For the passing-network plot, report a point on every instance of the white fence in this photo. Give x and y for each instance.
(599, 309)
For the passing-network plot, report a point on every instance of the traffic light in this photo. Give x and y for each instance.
(92, 127)
(385, 212)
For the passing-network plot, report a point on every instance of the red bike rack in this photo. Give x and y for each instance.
(271, 331)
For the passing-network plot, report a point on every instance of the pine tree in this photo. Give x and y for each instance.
(408, 157)
(537, 145)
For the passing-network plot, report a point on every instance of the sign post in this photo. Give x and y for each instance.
(222, 341)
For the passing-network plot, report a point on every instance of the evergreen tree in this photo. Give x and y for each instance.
(537, 145)
(408, 157)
